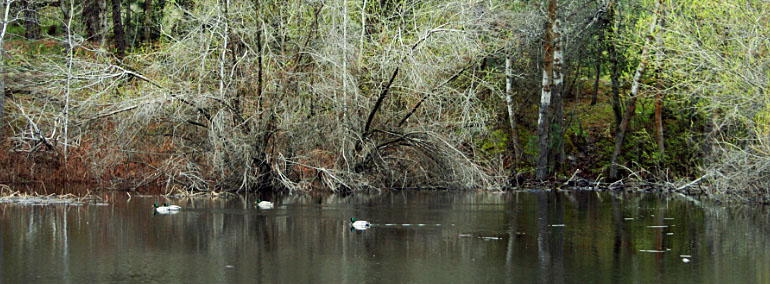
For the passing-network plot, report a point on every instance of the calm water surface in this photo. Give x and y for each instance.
(416, 237)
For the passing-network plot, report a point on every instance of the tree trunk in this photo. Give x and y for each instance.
(259, 70)
(569, 91)
(3, 26)
(659, 122)
(659, 98)
(598, 71)
(258, 13)
(558, 95)
(117, 28)
(615, 73)
(512, 111)
(635, 90)
(128, 27)
(543, 121)
(64, 12)
(92, 14)
(343, 135)
(2, 93)
(103, 23)
(147, 19)
(31, 20)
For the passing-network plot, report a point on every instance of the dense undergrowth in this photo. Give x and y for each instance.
(343, 97)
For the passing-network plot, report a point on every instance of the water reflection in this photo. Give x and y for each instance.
(436, 237)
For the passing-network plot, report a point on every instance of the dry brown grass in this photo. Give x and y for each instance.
(87, 169)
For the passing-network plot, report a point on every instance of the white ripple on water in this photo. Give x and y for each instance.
(418, 225)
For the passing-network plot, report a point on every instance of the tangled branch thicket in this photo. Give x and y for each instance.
(721, 73)
(303, 123)
(241, 95)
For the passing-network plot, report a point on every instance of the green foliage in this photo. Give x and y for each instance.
(13, 32)
(495, 143)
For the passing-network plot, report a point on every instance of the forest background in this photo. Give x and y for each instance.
(338, 95)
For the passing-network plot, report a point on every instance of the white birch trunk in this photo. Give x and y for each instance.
(511, 107)
(558, 91)
(344, 128)
(223, 59)
(543, 123)
(363, 33)
(6, 11)
(630, 108)
(70, 54)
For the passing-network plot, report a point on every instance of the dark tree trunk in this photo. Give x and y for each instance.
(258, 7)
(147, 20)
(598, 71)
(659, 123)
(92, 15)
(64, 9)
(31, 20)
(117, 28)
(2, 97)
(615, 73)
(128, 27)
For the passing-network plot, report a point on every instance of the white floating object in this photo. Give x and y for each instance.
(264, 204)
(406, 225)
(557, 225)
(172, 207)
(464, 235)
(421, 225)
(628, 218)
(668, 218)
(685, 255)
(491, 238)
(164, 209)
(652, 251)
(390, 224)
(669, 234)
(685, 260)
(359, 225)
(657, 227)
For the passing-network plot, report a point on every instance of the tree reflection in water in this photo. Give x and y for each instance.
(430, 236)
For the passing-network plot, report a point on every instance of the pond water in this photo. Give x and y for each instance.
(415, 237)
